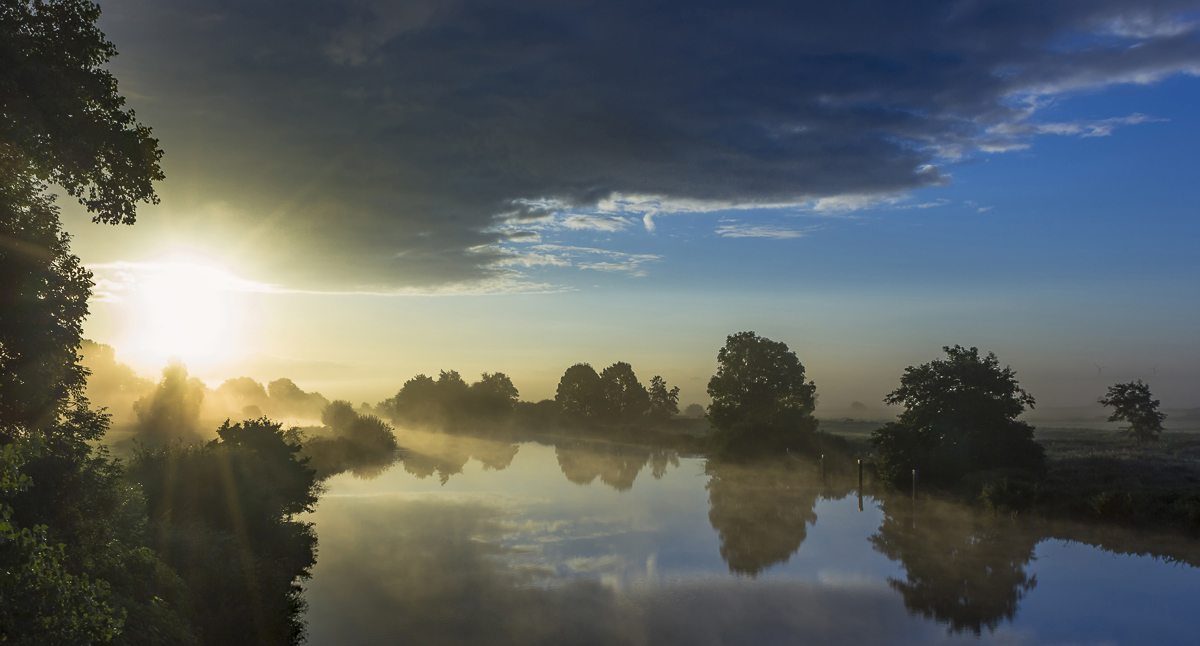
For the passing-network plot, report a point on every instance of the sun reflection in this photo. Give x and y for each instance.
(196, 312)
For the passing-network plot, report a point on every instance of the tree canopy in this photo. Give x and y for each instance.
(1132, 402)
(579, 393)
(62, 121)
(61, 117)
(449, 400)
(664, 404)
(761, 398)
(625, 398)
(960, 415)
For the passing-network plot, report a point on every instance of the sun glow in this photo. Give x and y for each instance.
(182, 309)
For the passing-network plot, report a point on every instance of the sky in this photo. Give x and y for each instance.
(361, 191)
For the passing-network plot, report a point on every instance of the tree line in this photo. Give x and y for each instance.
(613, 396)
(959, 418)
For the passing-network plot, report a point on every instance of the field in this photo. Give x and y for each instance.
(1099, 475)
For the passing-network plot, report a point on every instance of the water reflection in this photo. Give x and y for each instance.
(617, 465)
(426, 571)
(761, 511)
(427, 453)
(549, 542)
(965, 570)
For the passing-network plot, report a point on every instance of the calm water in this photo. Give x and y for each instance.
(474, 541)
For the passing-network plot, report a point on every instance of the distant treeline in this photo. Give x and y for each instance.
(615, 395)
(178, 406)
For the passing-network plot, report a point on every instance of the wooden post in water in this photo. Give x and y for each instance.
(860, 504)
(822, 467)
(914, 484)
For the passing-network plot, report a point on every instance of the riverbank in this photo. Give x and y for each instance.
(1092, 475)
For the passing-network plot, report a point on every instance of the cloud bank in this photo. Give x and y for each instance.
(369, 145)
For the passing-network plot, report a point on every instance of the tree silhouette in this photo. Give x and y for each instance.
(172, 410)
(761, 400)
(580, 393)
(960, 415)
(1133, 403)
(63, 123)
(492, 397)
(625, 398)
(664, 404)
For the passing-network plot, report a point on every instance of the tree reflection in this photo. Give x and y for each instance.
(427, 453)
(617, 465)
(761, 512)
(963, 569)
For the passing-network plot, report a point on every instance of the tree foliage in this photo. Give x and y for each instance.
(361, 444)
(579, 393)
(614, 396)
(172, 409)
(43, 300)
(960, 416)
(450, 401)
(224, 517)
(492, 397)
(664, 404)
(625, 398)
(62, 119)
(761, 400)
(1132, 402)
(40, 601)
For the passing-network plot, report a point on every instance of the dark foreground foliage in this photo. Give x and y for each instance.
(75, 550)
(222, 515)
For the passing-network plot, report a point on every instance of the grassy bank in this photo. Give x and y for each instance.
(1092, 474)
(1099, 475)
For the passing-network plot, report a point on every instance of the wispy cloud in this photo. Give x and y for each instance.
(595, 223)
(1080, 128)
(554, 255)
(923, 205)
(741, 230)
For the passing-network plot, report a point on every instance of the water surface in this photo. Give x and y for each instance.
(482, 541)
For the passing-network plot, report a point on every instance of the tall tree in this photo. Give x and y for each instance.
(761, 399)
(664, 404)
(625, 398)
(960, 415)
(493, 396)
(1133, 403)
(62, 121)
(579, 392)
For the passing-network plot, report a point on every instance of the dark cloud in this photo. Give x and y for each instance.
(370, 144)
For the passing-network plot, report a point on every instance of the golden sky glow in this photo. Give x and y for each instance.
(179, 307)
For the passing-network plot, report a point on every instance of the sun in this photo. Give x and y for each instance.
(192, 311)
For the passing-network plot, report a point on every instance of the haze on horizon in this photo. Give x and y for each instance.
(358, 192)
